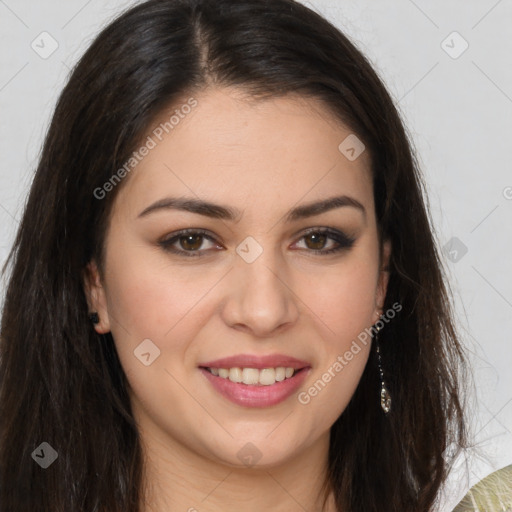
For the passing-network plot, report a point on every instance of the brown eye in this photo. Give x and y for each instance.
(191, 242)
(188, 242)
(316, 239)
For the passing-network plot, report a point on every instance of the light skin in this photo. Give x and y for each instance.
(262, 158)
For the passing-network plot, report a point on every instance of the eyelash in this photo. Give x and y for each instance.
(344, 241)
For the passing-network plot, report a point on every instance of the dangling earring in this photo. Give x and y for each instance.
(94, 318)
(385, 397)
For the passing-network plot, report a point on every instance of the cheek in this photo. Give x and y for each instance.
(344, 297)
(150, 299)
(356, 300)
(345, 307)
(343, 301)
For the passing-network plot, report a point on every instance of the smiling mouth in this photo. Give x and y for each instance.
(254, 376)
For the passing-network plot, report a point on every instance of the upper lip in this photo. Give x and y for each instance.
(255, 361)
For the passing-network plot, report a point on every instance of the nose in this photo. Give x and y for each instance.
(260, 298)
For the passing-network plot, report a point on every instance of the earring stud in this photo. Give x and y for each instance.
(94, 318)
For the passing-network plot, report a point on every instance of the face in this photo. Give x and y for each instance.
(260, 278)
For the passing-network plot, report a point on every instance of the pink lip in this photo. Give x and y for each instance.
(256, 396)
(259, 362)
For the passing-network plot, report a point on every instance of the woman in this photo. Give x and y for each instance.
(225, 292)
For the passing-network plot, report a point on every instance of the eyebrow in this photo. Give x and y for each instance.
(217, 211)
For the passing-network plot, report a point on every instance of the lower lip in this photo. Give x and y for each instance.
(257, 396)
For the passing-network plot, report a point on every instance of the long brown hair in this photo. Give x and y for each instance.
(62, 384)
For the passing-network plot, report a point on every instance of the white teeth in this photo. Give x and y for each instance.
(280, 374)
(254, 376)
(250, 375)
(267, 376)
(235, 375)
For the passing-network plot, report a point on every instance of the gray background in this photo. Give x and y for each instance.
(458, 109)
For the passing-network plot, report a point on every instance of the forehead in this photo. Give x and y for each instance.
(245, 152)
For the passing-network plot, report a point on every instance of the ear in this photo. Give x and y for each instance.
(96, 298)
(383, 279)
